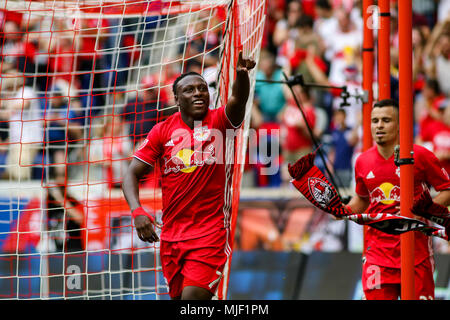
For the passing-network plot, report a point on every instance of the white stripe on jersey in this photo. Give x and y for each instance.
(228, 192)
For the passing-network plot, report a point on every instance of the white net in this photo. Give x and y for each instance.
(82, 83)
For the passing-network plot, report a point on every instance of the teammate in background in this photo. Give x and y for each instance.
(195, 184)
(377, 189)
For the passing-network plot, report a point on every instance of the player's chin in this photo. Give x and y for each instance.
(199, 113)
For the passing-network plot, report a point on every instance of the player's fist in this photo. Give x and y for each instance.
(427, 208)
(144, 224)
(244, 64)
(145, 230)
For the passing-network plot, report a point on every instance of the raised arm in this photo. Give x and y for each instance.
(235, 108)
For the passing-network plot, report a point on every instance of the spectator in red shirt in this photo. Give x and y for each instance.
(295, 137)
(17, 51)
(427, 111)
(62, 60)
(441, 138)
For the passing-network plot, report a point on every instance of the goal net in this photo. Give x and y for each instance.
(82, 83)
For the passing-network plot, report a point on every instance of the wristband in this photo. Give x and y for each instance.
(141, 212)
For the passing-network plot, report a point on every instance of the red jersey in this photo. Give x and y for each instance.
(429, 127)
(441, 144)
(379, 179)
(195, 180)
(294, 137)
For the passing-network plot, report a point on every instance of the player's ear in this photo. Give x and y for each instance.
(176, 102)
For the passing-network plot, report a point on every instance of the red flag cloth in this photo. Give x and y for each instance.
(427, 208)
(394, 224)
(437, 232)
(313, 184)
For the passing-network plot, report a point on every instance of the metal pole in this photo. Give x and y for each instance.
(384, 55)
(367, 82)
(406, 145)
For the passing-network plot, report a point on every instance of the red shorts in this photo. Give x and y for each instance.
(383, 283)
(196, 262)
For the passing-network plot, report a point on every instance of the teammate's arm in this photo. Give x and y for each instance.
(130, 188)
(235, 108)
(359, 204)
(443, 198)
(361, 201)
(436, 177)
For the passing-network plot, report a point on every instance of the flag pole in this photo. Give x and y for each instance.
(367, 82)
(406, 145)
(384, 53)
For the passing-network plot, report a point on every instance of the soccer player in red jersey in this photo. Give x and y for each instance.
(193, 147)
(378, 190)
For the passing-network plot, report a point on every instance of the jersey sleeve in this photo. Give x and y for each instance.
(152, 148)
(360, 188)
(434, 172)
(221, 120)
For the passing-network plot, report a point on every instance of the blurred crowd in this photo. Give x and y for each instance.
(322, 41)
(81, 91)
(79, 95)
(68, 98)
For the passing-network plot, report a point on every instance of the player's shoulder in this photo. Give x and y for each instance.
(217, 110)
(215, 114)
(422, 154)
(163, 128)
(156, 129)
(421, 150)
(170, 122)
(368, 154)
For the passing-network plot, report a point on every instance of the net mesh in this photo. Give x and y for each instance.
(82, 83)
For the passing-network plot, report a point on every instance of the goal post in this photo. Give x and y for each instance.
(82, 82)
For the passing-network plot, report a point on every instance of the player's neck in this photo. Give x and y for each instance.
(189, 121)
(386, 150)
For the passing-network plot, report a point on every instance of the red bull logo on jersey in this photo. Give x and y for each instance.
(187, 160)
(386, 193)
(202, 133)
(320, 191)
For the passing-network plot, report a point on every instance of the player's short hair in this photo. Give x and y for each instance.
(433, 84)
(305, 21)
(387, 103)
(190, 73)
(340, 110)
(323, 4)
